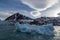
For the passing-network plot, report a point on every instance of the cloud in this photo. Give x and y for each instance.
(48, 8)
(39, 5)
(7, 13)
(4, 15)
(36, 14)
(30, 13)
(13, 5)
(26, 13)
(52, 11)
(9, 7)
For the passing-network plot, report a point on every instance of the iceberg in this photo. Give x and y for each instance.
(43, 29)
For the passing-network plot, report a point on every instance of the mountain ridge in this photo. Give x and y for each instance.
(18, 16)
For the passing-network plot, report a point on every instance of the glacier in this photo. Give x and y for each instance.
(47, 29)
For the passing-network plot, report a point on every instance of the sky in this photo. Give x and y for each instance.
(31, 8)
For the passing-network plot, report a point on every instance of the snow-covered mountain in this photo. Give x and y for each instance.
(39, 21)
(18, 17)
(48, 20)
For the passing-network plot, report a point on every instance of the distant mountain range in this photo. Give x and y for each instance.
(38, 21)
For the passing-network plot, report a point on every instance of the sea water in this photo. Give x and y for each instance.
(57, 32)
(9, 33)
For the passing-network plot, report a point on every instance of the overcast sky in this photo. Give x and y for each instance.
(48, 8)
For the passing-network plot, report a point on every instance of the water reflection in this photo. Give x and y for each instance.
(57, 33)
(27, 36)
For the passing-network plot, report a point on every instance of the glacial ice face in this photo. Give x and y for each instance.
(44, 29)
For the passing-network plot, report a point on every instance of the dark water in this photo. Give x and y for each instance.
(9, 33)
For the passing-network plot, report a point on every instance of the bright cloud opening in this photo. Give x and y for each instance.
(36, 14)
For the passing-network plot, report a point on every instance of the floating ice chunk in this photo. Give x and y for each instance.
(44, 29)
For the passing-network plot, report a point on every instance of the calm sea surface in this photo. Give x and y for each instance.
(9, 33)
